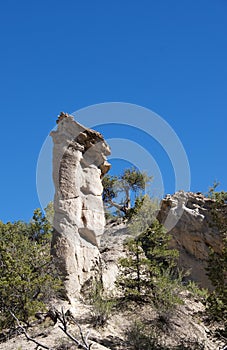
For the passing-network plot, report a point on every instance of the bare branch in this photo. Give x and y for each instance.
(23, 330)
(85, 340)
(81, 344)
(58, 316)
(116, 205)
(87, 336)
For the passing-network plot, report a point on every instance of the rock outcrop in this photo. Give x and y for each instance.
(194, 231)
(79, 162)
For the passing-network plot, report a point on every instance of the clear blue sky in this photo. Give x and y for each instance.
(168, 56)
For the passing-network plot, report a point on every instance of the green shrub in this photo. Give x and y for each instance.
(166, 294)
(28, 279)
(199, 293)
(217, 262)
(139, 337)
(102, 307)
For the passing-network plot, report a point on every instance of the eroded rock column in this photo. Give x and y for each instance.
(79, 162)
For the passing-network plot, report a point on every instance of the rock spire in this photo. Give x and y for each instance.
(79, 163)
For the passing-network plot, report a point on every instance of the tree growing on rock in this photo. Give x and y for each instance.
(118, 191)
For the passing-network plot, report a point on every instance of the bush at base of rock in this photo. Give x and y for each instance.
(28, 279)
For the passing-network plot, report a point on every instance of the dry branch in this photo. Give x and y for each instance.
(58, 316)
(28, 337)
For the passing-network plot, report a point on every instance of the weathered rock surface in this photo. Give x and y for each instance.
(194, 231)
(79, 162)
(112, 249)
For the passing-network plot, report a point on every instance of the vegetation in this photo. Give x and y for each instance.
(142, 215)
(141, 337)
(118, 191)
(198, 293)
(217, 263)
(149, 268)
(134, 279)
(145, 336)
(101, 305)
(28, 279)
(148, 272)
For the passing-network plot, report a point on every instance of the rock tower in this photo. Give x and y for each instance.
(79, 162)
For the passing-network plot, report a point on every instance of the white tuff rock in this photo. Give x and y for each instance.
(79, 162)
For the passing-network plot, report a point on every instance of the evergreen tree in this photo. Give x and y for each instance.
(134, 279)
(28, 279)
(217, 262)
(40, 228)
(148, 269)
(155, 243)
(119, 190)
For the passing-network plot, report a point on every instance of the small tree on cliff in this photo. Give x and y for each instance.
(118, 191)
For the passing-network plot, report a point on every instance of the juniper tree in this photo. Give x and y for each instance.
(28, 279)
(119, 190)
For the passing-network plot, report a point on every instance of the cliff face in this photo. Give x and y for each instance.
(79, 162)
(193, 233)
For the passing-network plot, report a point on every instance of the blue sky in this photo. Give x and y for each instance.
(168, 56)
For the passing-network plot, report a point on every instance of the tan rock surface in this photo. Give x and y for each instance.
(193, 233)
